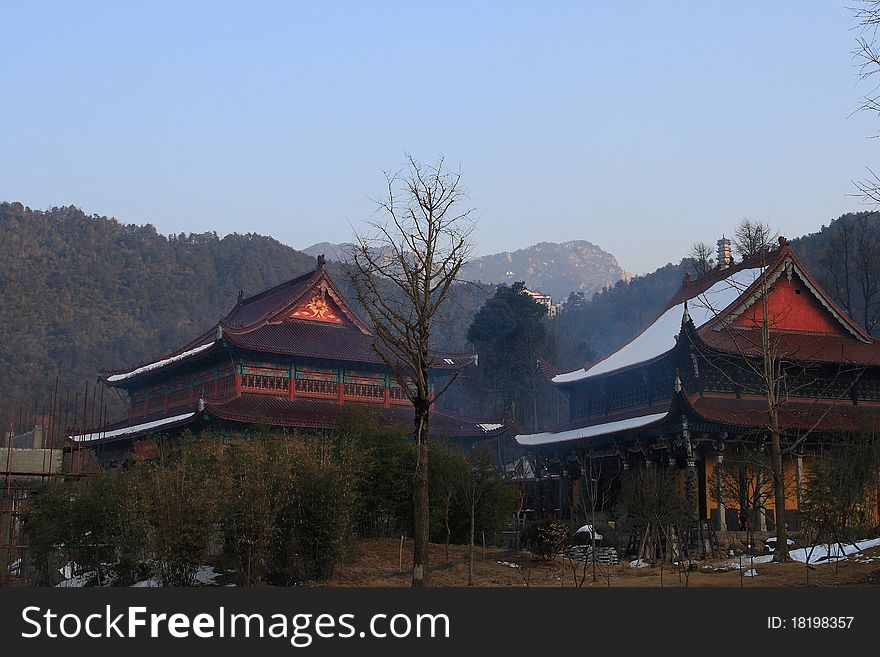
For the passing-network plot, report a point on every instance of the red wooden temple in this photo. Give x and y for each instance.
(293, 356)
(689, 386)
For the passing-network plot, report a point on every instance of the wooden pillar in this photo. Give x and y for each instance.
(799, 479)
(386, 399)
(291, 386)
(719, 487)
(340, 390)
(691, 490)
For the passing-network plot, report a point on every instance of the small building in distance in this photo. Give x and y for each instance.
(294, 356)
(687, 390)
(544, 299)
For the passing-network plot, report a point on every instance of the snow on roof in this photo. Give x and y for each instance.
(588, 529)
(137, 428)
(490, 427)
(659, 337)
(549, 437)
(159, 363)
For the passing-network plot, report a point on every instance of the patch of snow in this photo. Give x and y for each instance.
(69, 569)
(751, 572)
(490, 427)
(588, 432)
(821, 553)
(151, 583)
(449, 361)
(71, 580)
(206, 576)
(660, 336)
(132, 429)
(159, 363)
(15, 567)
(638, 563)
(509, 564)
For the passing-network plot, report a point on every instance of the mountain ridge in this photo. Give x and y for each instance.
(554, 268)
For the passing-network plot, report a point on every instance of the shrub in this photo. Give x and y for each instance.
(546, 538)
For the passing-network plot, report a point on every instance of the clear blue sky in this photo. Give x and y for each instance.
(641, 127)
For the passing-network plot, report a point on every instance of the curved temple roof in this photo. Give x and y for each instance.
(660, 336)
(273, 321)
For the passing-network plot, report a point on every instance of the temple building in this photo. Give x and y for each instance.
(294, 356)
(692, 386)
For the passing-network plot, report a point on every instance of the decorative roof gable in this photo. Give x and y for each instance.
(795, 302)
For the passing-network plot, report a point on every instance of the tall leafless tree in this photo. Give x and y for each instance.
(866, 17)
(701, 253)
(402, 269)
(751, 237)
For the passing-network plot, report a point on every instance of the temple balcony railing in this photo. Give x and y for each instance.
(364, 392)
(316, 388)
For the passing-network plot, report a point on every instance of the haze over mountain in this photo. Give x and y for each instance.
(553, 268)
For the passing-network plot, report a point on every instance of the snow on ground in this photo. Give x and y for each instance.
(206, 576)
(820, 554)
(77, 581)
(638, 563)
(151, 583)
(509, 564)
(751, 572)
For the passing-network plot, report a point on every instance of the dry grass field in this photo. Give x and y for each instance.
(376, 562)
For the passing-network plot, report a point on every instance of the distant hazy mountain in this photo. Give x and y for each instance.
(555, 269)
(335, 252)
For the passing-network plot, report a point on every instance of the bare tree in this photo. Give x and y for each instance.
(402, 270)
(851, 260)
(752, 238)
(595, 489)
(472, 484)
(837, 260)
(701, 254)
(866, 16)
(867, 248)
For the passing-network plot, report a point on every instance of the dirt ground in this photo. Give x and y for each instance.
(376, 562)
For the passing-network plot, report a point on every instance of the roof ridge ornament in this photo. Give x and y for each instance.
(321, 261)
(686, 317)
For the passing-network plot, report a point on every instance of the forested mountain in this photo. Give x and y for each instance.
(81, 292)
